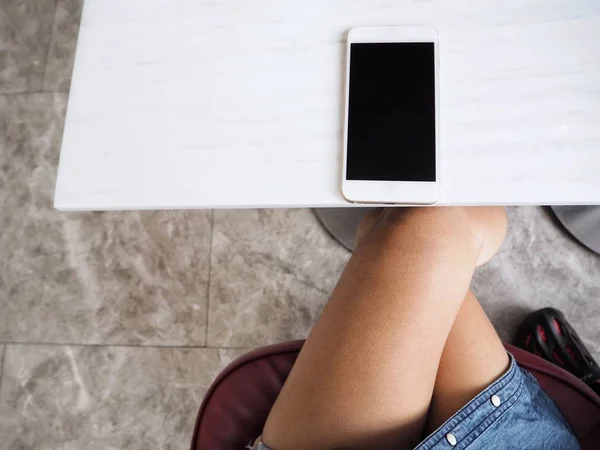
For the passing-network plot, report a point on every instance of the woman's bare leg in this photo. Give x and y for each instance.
(366, 374)
(472, 359)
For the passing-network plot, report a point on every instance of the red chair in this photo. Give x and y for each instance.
(237, 404)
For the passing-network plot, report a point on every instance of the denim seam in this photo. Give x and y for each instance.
(484, 425)
(477, 403)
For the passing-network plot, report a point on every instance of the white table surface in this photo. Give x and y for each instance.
(238, 103)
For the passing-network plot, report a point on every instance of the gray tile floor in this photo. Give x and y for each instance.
(112, 325)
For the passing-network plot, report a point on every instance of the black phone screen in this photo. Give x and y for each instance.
(391, 112)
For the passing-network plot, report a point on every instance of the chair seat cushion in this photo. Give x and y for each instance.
(237, 404)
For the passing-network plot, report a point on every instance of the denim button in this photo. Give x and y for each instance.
(495, 400)
(451, 439)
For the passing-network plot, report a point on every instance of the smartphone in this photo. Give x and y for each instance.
(391, 132)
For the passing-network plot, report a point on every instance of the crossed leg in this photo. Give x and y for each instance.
(473, 358)
(386, 360)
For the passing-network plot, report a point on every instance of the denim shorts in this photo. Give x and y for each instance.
(512, 413)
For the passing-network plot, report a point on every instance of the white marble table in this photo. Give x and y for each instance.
(238, 103)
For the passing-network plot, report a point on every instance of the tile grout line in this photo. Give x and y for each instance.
(77, 345)
(49, 44)
(36, 92)
(212, 232)
(2, 367)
